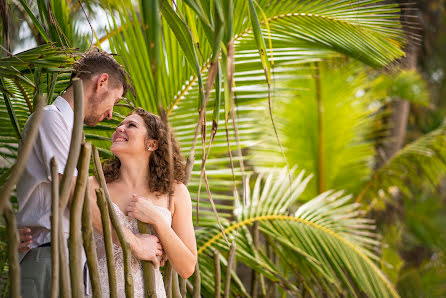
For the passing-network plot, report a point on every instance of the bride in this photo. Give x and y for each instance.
(140, 189)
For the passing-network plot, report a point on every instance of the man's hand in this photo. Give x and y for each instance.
(148, 248)
(25, 239)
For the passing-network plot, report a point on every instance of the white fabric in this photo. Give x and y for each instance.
(137, 273)
(34, 186)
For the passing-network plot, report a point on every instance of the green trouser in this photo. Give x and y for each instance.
(35, 270)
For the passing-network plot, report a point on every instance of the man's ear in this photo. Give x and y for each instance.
(102, 81)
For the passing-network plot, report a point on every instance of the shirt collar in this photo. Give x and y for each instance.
(67, 112)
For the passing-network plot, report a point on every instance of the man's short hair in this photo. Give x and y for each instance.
(96, 61)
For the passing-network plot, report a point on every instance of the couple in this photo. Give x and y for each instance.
(137, 179)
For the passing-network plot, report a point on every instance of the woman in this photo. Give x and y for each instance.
(141, 189)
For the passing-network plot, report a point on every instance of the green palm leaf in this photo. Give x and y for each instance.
(324, 241)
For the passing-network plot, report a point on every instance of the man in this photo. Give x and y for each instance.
(104, 83)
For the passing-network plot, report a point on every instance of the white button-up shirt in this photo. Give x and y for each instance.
(34, 186)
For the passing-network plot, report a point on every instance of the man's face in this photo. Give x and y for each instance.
(99, 104)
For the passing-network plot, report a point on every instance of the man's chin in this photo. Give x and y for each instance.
(92, 121)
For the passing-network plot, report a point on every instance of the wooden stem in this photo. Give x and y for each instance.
(67, 178)
(231, 261)
(147, 266)
(75, 240)
(217, 274)
(76, 138)
(22, 157)
(168, 280)
(64, 272)
(183, 289)
(116, 225)
(176, 293)
(90, 246)
(108, 242)
(54, 228)
(13, 257)
(197, 282)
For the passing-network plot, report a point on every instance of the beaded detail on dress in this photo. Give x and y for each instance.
(137, 273)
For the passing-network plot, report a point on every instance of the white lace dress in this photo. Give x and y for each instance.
(137, 273)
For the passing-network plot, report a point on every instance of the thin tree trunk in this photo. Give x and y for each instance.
(108, 242)
(89, 245)
(75, 240)
(54, 228)
(65, 185)
(13, 257)
(116, 225)
(168, 280)
(217, 274)
(183, 287)
(320, 143)
(231, 261)
(175, 285)
(197, 282)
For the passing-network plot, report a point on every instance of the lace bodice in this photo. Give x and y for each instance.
(137, 273)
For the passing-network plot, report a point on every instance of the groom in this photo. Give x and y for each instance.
(104, 83)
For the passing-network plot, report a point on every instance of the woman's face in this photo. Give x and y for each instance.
(130, 137)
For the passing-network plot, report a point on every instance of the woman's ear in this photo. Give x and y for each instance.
(151, 145)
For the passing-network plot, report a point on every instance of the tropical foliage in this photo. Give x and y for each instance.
(307, 66)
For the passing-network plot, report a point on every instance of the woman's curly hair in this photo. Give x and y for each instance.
(159, 181)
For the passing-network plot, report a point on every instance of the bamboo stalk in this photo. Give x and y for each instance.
(231, 260)
(175, 285)
(217, 274)
(116, 225)
(147, 267)
(257, 277)
(183, 285)
(89, 245)
(22, 157)
(54, 228)
(168, 280)
(320, 136)
(189, 287)
(64, 271)
(65, 185)
(13, 257)
(75, 240)
(76, 138)
(108, 242)
(197, 282)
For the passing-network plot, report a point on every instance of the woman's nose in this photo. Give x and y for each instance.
(120, 128)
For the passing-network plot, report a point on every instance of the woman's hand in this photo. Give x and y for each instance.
(143, 210)
(148, 248)
(25, 239)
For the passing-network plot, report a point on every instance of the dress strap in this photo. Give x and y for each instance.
(168, 201)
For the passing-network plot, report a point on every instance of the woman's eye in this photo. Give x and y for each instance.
(132, 125)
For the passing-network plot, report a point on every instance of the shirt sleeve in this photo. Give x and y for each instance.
(54, 141)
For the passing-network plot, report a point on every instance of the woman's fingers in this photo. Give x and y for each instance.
(156, 263)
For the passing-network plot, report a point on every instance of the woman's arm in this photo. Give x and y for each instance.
(178, 241)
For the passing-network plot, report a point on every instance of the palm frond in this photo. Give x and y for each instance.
(325, 242)
(420, 162)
